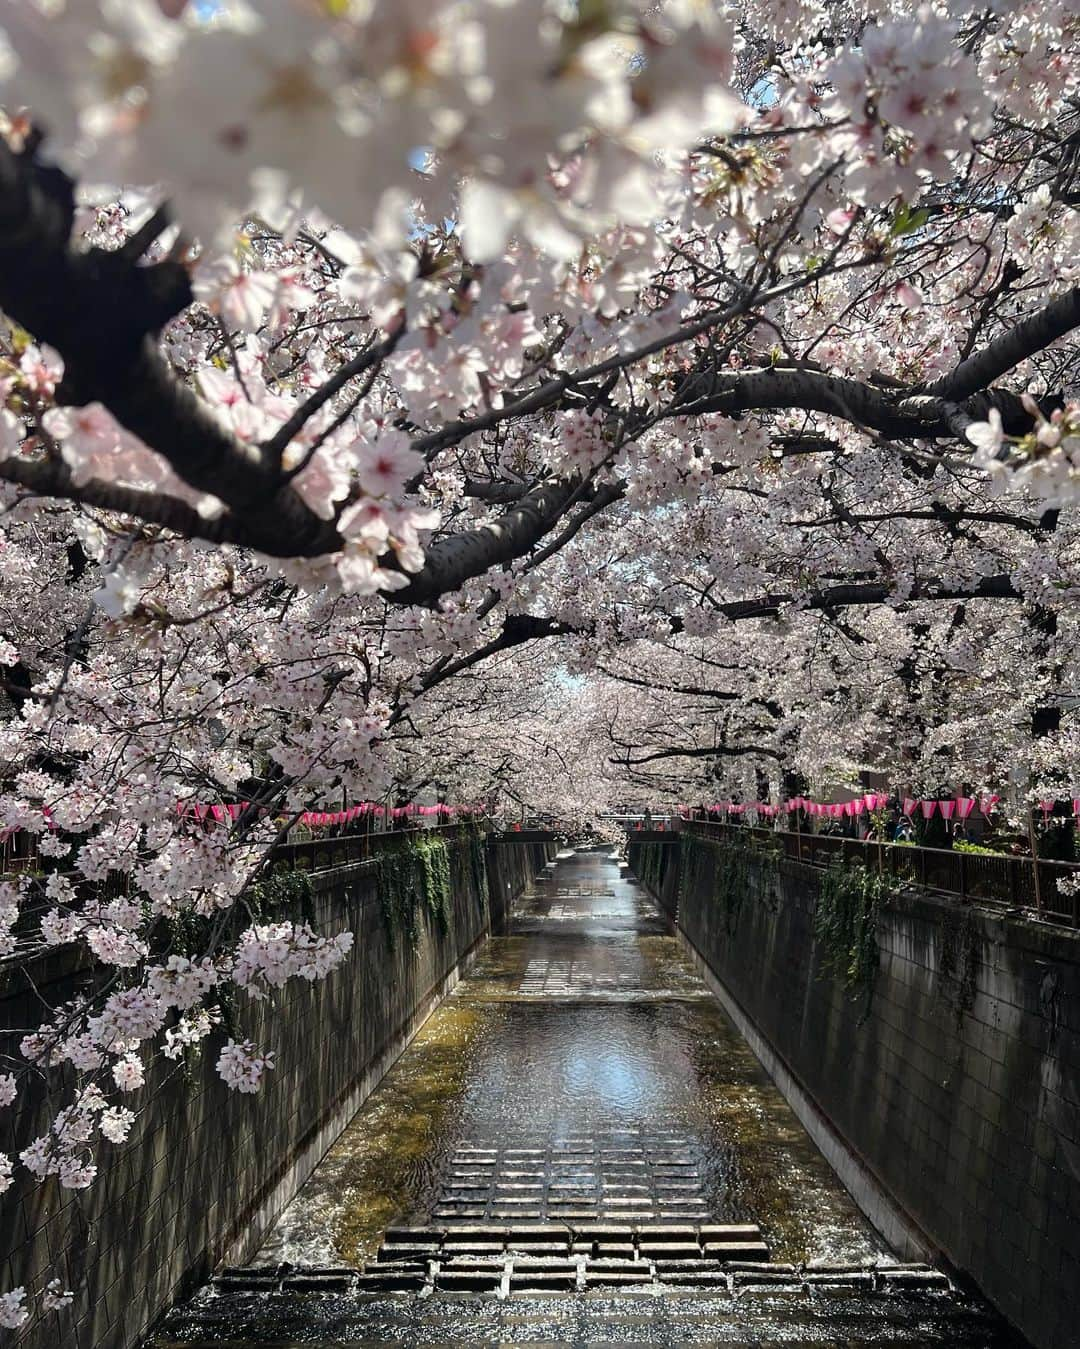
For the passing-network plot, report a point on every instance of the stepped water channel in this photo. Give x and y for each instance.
(578, 1148)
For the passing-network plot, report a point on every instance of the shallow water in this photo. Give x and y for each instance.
(581, 1069)
(773, 1319)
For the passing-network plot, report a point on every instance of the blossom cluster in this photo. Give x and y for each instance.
(1044, 463)
(269, 954)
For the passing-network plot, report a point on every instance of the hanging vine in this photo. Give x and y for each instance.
(845, 924)
(414, 878)
(724, 869)
(282, 888)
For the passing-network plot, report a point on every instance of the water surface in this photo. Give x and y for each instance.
(581, 1070)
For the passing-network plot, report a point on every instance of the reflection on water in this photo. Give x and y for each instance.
(583, 1033)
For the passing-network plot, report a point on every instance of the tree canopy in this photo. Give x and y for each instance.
(557, 399)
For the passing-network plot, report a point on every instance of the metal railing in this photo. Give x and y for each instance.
(315, 854)
(325, 854)
(1009, 882)
(630, 819)
(320, 852)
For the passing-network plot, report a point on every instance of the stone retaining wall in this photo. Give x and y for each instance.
(206, 1170)
(954, 1080)
(654, 859)
(510, 867)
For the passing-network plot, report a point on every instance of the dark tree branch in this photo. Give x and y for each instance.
(499, 491)
(516, 630)
(697, 752)
(722, 695)
(1029, 336)
(894, 414)
(945, 515)
(102, 313)
(51, 477)
(452, 561)
(373, 354)
(867, 593)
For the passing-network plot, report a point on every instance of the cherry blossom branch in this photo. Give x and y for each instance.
(51, 477)
(371, 355)
(452, 561)
(897, 415)
(102, 313)
(1028, 337)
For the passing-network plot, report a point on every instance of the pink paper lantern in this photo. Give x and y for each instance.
(928, 808)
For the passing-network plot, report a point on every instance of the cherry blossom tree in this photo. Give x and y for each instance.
(560, 400)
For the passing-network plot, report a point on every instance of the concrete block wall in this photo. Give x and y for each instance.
(205, 1170)
(510, 866)
(956, 1083)
(654, 858)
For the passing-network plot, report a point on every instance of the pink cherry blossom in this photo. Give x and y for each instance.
(696, 410)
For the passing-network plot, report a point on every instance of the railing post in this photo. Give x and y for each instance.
(1034, 844)
(963, 874)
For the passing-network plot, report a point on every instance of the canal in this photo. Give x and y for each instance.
(583, 1093)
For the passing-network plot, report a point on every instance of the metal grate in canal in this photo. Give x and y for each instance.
(568, 978)
(538, 1257)
(626, 1176)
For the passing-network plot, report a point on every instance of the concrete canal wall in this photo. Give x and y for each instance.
(943, 1081)
(206, 1170)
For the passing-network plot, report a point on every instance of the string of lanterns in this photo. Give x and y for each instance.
(958, 807)
(323, 819)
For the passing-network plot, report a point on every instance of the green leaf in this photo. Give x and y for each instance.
(906, 220)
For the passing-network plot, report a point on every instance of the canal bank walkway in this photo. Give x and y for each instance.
(578, 1148)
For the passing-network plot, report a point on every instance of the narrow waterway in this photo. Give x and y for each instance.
(581, 1073)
